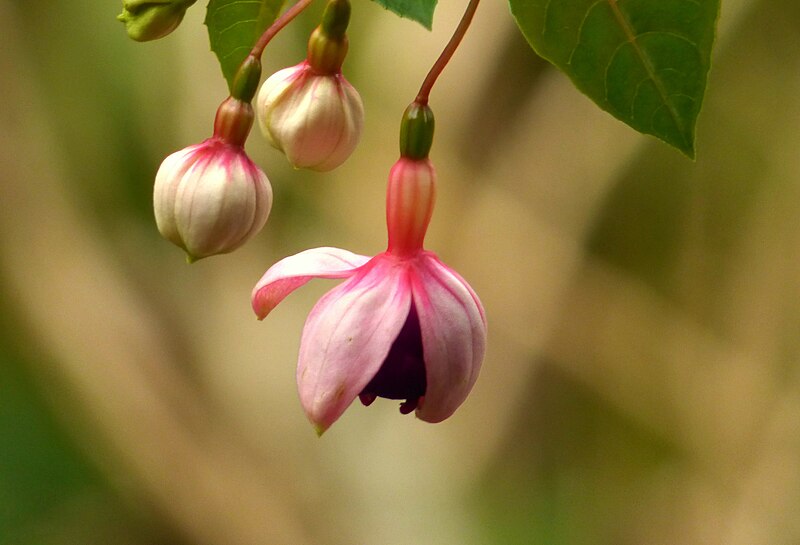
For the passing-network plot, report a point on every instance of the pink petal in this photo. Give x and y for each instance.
(453, 328)
(291, 272)
(347, 337)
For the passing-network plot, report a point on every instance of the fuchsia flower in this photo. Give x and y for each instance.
(403, 325)
(210, 198)
(310, 111)
(315, 119)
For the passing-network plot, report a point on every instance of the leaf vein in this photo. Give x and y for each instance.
(237, 3)
(647, 64)
(234, 25)
(545, 16)
(667, 33)
(233, 51)
(580, 28)
(663, 106)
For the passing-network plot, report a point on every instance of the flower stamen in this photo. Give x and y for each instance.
(402, 374)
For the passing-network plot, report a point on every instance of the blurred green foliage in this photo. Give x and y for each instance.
(40, 469)
(572, 470)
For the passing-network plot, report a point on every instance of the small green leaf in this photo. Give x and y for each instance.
(233, 28)
(643, 61)
(420, 11)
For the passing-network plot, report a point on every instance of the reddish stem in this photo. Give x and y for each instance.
(447, 53)
(277, 26)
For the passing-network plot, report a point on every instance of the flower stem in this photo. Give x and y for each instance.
(447, 53)
(277, 26)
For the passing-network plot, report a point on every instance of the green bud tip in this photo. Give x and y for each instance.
(335, 19)
(416, 131)
(245, 82)
(328, 44)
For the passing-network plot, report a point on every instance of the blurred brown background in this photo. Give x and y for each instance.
(641, 384)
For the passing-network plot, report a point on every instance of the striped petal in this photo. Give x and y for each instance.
(347, 337)
(453, 326)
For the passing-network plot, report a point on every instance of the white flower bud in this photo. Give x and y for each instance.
(210, 198)
(315, 119)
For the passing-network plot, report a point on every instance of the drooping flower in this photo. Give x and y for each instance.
(210, 198)
(402, 326)
(310, 111)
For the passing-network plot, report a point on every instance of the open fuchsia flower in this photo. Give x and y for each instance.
(403, 326)
(310, 111)
(210, 198)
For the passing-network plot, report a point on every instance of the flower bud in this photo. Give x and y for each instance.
(315, 119)
(147, 20)
(210, 198)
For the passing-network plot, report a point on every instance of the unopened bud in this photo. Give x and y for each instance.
(147, 20)
(315, 119)
(210, 198)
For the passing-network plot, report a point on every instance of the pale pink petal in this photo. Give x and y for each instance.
(291, 272)
(347, 337)
(453, 326)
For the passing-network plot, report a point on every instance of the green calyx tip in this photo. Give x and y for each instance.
(245, 82)
(328, 44)
(416, 131)
(335, 19)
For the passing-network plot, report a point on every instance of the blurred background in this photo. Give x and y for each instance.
(641, 384)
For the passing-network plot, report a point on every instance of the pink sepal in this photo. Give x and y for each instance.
(291, 272)
(453, 326)
(347, 337)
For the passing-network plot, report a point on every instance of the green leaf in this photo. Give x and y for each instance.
(643, 61)
(233, 28)
(420, 11)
